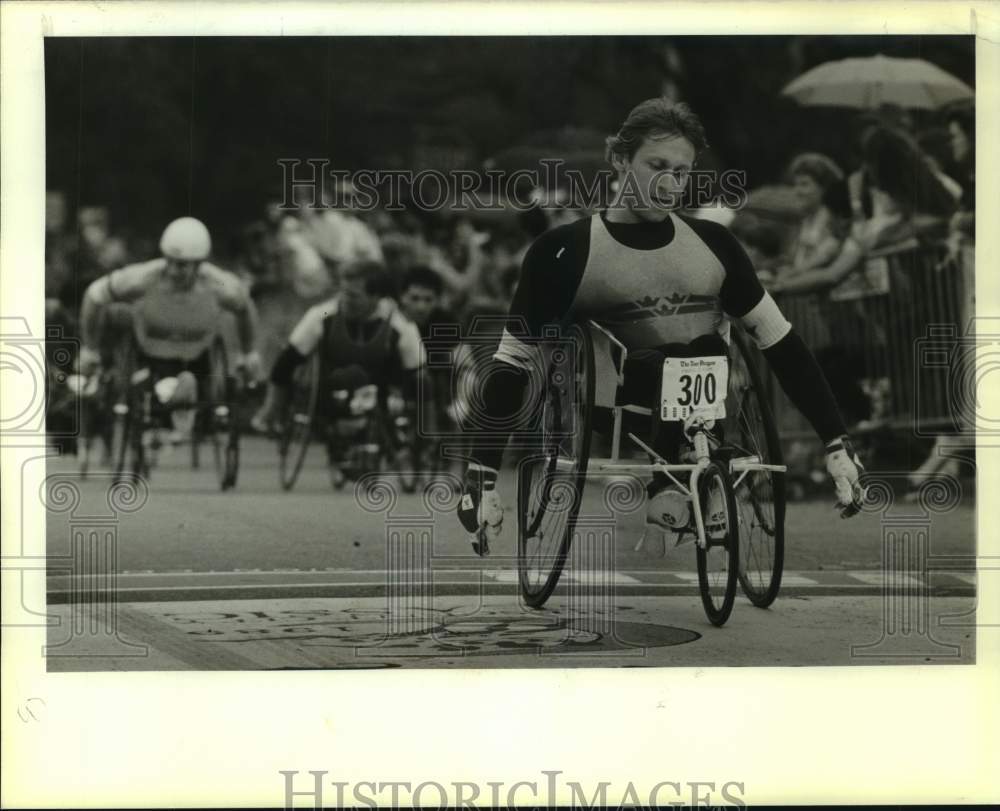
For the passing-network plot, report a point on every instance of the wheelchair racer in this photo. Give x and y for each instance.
(664, 284)
(362, 337)
(177, 300)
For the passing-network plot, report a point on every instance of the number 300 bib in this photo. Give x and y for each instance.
(694, 385)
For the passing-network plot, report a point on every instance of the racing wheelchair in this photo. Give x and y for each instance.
(366, 428)
(139, 417)
(731, 469)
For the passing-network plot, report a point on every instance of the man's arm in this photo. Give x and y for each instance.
(550, 275)
(234, 297)
(302, 342)
(91, 311)
(798, 373)
(124, 285)
(246, 325)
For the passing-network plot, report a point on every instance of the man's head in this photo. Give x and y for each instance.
(362, 284)
(185, 244)
(653, 153)
(422, 289)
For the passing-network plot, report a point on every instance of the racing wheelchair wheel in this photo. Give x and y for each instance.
(218, 416)
(402, 441)
(760, 497)
(293, 441)
(550, 481)
(718, 561)
(127, 454)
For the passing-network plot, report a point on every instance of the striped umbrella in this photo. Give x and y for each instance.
(869, 82)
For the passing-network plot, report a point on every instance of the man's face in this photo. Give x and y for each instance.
(655, 177)
(418, 303)
(358, 303)
(182, 274)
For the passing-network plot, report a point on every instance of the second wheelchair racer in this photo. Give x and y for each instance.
(362, 338)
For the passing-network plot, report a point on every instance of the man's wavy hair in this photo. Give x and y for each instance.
(655, 117)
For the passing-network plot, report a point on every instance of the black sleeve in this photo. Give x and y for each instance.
(806, 386)
(741, 290)
(550, 276)
(284, 366)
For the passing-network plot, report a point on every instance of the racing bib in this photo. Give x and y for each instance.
(694, 385)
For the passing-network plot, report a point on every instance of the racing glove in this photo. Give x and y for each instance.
(846, 470)
(480, 509)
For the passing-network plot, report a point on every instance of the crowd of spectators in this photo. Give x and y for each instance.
(910, 198)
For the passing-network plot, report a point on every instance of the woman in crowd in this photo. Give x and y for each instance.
(817, 239)
(895, 181)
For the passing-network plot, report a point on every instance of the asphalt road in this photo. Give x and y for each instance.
(205, 578)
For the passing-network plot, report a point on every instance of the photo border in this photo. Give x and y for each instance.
(887, 734)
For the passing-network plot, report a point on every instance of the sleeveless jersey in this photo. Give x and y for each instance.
(646, 298)
(173, 324)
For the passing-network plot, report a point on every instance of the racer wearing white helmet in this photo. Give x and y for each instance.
(185, 244)
(177, 302)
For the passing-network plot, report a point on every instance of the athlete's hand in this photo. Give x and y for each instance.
(251, 364)
(88, 361)
(844, 466)
(480, 509)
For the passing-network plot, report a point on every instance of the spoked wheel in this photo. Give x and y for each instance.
(718, 562)
(220, 418)
(550, 483)
(97, 419)
(293, 442)
(94, 424)
(196, 450)
(403, 440)
(760, 495)
(121, 438)
(127, 454)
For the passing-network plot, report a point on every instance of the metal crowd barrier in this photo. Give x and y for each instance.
(866, 334)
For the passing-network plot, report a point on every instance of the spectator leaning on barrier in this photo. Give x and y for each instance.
(895, 182)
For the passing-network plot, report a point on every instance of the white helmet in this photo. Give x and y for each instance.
(186, 239)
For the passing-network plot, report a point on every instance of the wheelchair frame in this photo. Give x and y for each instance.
(607, 365)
